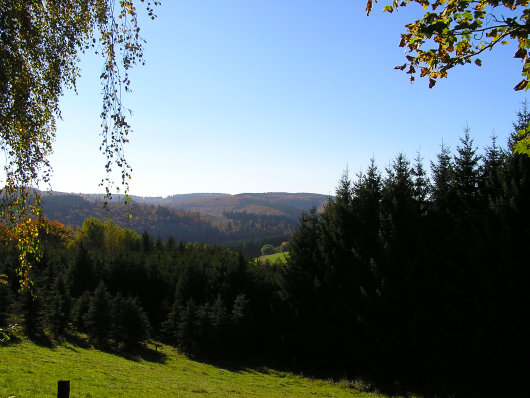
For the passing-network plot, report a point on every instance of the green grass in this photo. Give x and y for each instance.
(29, 370)
(273, 258)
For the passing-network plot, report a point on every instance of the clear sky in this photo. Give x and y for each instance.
(277, 95)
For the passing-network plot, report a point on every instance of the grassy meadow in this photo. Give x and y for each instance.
(30, 370)
(273, 258)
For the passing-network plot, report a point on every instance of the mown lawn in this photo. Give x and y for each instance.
(29, 370)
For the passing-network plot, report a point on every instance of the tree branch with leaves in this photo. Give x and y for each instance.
(40, 44)
(457, 32)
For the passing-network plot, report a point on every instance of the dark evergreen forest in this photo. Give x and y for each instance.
(414, 281)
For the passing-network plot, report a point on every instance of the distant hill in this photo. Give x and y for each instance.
(271, 203)
(162, 221)
(155, 199)
(244, 221)
(216, 204)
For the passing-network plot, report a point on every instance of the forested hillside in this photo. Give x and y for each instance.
(72, 210)
(216, 204)
(246, 221)
(420, 280)
(412, 283)
(284, 204)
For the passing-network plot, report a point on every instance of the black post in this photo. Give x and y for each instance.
(63, 389)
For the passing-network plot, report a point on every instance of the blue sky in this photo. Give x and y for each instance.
(278, 95)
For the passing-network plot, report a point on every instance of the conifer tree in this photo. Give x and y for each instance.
(130, 324)
(239, 320)
(30, 307)
(493, 174)
(368, 247)
(218, 316)
(58, 311)
(304, 279)
(401, 234)
(240, 314)
(98, 319)
(399, 210)
(169, 327)
(80, 309)
(443, 180)
(422, 185)
(81, 274)
(467, 173)
(186, 327)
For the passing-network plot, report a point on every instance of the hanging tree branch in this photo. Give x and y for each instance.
(40, 44)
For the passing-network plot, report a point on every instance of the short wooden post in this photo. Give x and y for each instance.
(63, 389)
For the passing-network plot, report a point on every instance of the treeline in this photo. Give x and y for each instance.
(252, 247)
(417, 283)
(158, 220)
(250, 222)
(121, 288)
(241, 230)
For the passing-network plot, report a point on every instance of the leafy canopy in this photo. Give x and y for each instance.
(457, 32)
(39, 55)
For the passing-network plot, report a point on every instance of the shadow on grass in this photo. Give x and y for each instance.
(145, 353)
(285, 368)
(148, 352)
(76, 340)
(41, 339)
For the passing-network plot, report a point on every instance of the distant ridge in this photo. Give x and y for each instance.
(268, 203)
(152, 199)
(216, 204)
(198, 217)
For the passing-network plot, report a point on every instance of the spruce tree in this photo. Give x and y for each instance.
(443, 181)
(81, 273)
(169, 327)
(401, 233)
(79, 310)
(130, 324)
(493, 174)
(98, 319)
(58, 311)
(399, 212)
(30, 307)
(218, 321)
(305, 279)
(467, 173)
(239, 326)
(186, 327)
(368, 247)
(422, 185)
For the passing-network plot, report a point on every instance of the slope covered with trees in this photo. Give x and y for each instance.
(245, 221)
(417, 280)
(120, 288)
(412, 281)
(157, 220)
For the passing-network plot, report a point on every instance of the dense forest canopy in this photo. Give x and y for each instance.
(410, 279)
